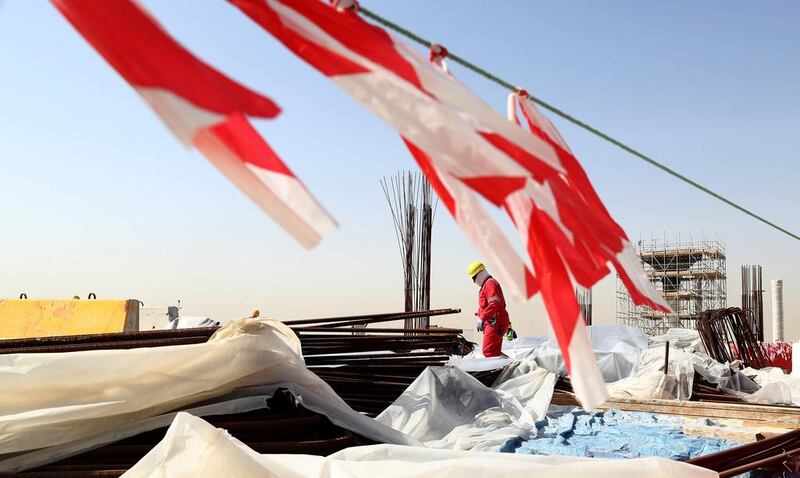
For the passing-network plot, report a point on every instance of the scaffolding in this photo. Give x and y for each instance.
(691, 276)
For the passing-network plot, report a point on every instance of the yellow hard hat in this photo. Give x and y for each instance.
(474, 268)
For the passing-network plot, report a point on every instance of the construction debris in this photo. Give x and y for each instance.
(368, 367)
(396, 374)
(195, 449)
(777, 454)
(728, 336)
(281, 425)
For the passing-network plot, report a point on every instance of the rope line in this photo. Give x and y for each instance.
(495, 79)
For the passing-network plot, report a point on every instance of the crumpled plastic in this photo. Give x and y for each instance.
(775, 387)
(616, 347)
(447, 408)
(193, 448)
(55, 399)
(687, 340)
(190, 322)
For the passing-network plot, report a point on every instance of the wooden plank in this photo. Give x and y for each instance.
(749, 414)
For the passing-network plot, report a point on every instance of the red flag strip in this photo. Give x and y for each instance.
(592, 218)
(468, 151)
(202, 107)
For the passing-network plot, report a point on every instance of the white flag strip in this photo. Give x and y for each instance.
(472, 151)
(202, 107)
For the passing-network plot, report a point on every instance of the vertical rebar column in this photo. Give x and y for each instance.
(410, 200)
(753, 299)
(585, 303)
(758, 299)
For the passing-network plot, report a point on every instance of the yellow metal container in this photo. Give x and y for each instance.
(20, 318)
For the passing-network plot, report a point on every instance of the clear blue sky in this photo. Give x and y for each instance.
(98, 196)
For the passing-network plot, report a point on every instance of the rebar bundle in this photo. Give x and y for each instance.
(369, 367)
(280, 426)
(585, 303)
(728, 336)
(774, 455)
(753, 298)
(413, 207)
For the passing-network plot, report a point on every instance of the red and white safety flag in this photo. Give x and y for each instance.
(468, 151)
(203, 108)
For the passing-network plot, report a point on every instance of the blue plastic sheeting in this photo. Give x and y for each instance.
(618, 434)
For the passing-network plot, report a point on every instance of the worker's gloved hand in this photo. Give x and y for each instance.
(479, 325)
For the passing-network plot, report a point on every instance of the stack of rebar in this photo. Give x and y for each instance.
(775, 455)
(585, 303)
(123, 340)
(365, 359)
(281, 426)
(703, 391)
(728, 336)
(369, 367)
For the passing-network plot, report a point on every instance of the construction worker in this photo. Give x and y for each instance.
(493, 318)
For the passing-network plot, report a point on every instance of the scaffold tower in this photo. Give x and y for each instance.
(690, 275)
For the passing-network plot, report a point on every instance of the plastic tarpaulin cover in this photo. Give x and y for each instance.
(616, 349)
(448, 408)
(189, 322)
(776, 387)
(619, 434)
(52, 399)
(687, 340)
(193, 448)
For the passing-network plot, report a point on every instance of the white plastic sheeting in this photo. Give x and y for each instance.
(447, 408)
(646, 385)
(687, 340)
(190, 322)
(648, 380)
(531, 385)
(54, 399)
(471, 363)
(616, 348)
(633, 364)
(648, 374)
(241, 401)
(776, 387)
(193, 448)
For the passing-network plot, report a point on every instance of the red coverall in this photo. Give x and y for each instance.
(492, 305)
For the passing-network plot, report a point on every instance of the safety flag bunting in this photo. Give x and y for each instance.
(468, 151)
(202, 107)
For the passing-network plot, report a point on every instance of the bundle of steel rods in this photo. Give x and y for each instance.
(413, 207)
(281, 426)
(703, 391)
(753, 298)
(778, 454)
(727, 336)
(368, 366)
